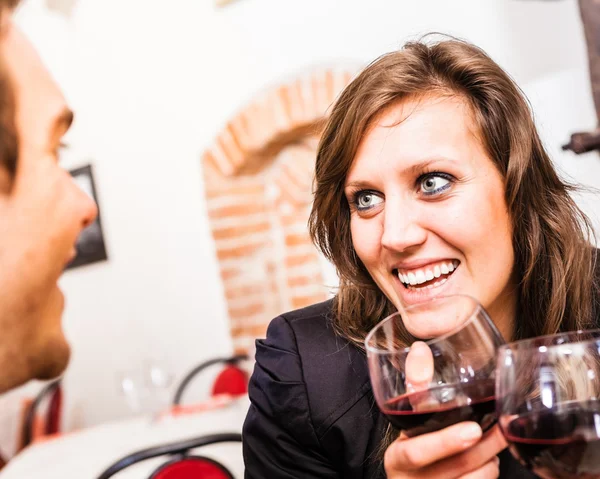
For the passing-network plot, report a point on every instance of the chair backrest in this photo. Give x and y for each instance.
(192, 467)
(180, 466)
(51, 424)
(232, 380)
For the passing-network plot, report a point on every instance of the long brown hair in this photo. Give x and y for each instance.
(553, 256)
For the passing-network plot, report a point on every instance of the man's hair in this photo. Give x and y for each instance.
(553, 257)
(8, 135)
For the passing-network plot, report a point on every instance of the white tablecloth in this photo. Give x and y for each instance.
(87, 453)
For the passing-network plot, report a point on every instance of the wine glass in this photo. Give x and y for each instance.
(158, 379)
(445, 380)
(132, 387)
(548, 403)
(146, 388)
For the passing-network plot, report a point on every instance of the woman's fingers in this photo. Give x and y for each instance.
(490, 470)
(419, 369)
(451, 453)
(471, 459)
(417, 452)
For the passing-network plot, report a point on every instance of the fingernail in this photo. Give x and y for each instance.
(470, 432)
(497, 460)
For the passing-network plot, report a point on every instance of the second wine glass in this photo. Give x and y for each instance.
(548, 397)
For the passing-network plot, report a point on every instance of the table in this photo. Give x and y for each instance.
(87, 453)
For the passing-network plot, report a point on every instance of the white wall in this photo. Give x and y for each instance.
(153, 81)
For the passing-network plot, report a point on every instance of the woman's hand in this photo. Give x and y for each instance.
(459, 451)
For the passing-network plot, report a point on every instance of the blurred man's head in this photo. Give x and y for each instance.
(42, 212)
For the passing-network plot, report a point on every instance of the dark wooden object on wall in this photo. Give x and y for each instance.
(582, 142)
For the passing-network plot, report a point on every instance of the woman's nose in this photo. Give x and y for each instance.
(402, 229)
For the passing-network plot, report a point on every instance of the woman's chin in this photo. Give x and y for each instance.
(429, 325)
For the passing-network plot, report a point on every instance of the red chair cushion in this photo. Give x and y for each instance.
(192, 468)
(232, 380)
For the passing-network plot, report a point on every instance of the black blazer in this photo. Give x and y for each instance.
(312, 412)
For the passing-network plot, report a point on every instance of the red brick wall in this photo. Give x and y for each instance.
(258, 198)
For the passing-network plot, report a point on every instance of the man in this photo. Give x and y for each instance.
(42, 212)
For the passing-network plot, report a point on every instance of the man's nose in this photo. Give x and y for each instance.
(88, 209)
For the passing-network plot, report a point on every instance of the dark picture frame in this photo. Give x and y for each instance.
(90, 244)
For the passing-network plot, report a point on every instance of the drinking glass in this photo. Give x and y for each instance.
(147, 388)
(159, 379)
(445, 380)
(132, 386)
(548, 403)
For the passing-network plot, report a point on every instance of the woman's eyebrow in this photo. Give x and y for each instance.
(414, 169)
(418, 167)
(357, 185)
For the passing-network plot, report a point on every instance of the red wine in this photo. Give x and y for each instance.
(561, 442)
(436, 408)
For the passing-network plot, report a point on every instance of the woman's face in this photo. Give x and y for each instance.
(428, 214)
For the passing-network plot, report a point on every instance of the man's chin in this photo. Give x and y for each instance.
(53, 360)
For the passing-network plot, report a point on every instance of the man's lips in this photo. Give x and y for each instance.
(72, 255)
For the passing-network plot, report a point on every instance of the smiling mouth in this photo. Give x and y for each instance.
(431, 276)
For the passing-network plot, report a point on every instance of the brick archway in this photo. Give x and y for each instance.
(258, 176)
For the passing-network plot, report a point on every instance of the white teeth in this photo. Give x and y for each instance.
(434, 285)
(421, 276)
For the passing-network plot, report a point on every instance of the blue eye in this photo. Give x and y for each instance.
(365, 200)
(434, 183)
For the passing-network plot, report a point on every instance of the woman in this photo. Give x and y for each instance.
(430, 179)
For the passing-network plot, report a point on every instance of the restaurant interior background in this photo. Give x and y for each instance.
(153, 84)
